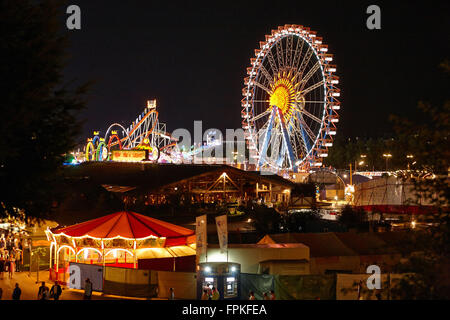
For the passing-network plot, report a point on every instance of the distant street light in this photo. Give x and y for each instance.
(410, 156)
(387, 156)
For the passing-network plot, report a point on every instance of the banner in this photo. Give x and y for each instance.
(200, 232)
(129, 155)
(222, 232)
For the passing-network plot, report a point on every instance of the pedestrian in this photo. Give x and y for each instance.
(2, 266)
(215, 294)
(208, 288)
(251, 296)
(46, 294)
(55, 291)
(12, 265)
(16, 293)
(87, 289)
(205, 295)
(8, 266)
(18, 259)
(272, 295)
(171, 294)
(266, 296)
(42, 290)
(360, 285)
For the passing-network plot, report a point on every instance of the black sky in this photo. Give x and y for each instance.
(193, 57)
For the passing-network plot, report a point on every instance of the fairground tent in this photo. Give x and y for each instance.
(113, 238)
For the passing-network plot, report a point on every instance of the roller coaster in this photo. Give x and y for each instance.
(145, 133)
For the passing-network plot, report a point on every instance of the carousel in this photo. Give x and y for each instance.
(119, 239)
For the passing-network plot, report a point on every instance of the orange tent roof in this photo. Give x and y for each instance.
(130, 225)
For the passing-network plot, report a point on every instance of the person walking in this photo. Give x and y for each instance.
(2, 267)
(215, 294)
(46, 294)
(87, 289)
(18, 259)
(16, 292)
(55, 291)
(42, 291)
(205, 295)
(12, 265)
(272, 295)
(171, 294)
(8, 266)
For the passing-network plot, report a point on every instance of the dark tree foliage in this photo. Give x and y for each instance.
(428, 276)
(298, 221)
(38, 122)
(352, 218)
(265, 220)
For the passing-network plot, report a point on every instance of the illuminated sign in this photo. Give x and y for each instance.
(129, 155)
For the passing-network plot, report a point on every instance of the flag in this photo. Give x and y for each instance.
(200, 232)
(222, 232)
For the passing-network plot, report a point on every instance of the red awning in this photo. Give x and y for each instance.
(129, 225)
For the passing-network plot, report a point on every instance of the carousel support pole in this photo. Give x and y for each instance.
(51, 252)
(134, 255)
(57, 261)
(103, 254)
(173, 256)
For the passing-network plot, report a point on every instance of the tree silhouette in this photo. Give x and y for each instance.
(39, 124)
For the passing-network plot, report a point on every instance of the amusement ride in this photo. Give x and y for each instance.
(146, 133)
(289, 111)
(290, 101)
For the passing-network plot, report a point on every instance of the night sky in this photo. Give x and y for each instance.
(193, 57)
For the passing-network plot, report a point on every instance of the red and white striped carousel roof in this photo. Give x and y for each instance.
(130, 225)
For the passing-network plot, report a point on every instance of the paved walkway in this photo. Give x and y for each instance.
(30, 288)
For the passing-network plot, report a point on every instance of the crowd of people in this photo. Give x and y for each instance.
(11, 257)
(266, 295)
(211, 293)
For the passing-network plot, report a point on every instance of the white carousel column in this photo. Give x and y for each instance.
(57, 260)
(51, 252)
(103, 254)
(134, 255)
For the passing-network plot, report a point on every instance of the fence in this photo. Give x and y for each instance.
(130, 282)
(290, 287)
(183, 283)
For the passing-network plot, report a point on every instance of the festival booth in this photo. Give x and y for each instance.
(120, 240)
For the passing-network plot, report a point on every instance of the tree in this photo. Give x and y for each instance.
(299, 221)
(265, 220)
(429, 139)
(351, 218)
(39, 124)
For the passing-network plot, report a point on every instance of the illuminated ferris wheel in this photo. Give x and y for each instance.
(290, 101)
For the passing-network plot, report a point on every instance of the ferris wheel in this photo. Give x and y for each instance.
(290, 101)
